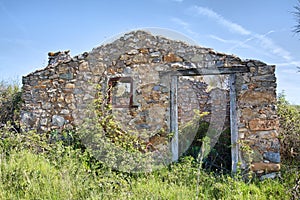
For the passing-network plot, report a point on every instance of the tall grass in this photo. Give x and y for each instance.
(58, 171)
(41, 166)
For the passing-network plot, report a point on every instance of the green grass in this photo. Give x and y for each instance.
(32, 167)
(27, 175)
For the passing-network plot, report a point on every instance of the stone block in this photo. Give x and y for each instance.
(263, 124)
(46, 105)
(248, 114)
(197, 58)
(253, 69)
(84, 66)
(142, 126)
(264, 78)
(58, 120)
(245, 87)
(69, 98)
(97, 70)
(171, 57)
(268, 176)
(124, 57)
(155, 54)
(44, 121)
(70, 86)
(140, 58)
(133, 52)
(272, 157)
(66, 76)
(88, 97)
(267, 134)
(69, 118)
(256, 156)
(269, 69)
(40, 86)
(65, 111)
(78, 91)
(257, 98)
(266, 167)
(144, 50)
(72, 106)
(28, 118)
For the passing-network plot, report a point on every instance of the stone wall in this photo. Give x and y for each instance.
(258, 125)
(131, 69)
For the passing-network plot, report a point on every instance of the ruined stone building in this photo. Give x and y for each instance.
(153, 84)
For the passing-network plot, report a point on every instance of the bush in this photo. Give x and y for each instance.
(10, 103)
(289, 131)
(33, 168)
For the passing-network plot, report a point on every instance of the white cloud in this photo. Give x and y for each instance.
(221, 39)
(236, 43)
(185, 25)
(269, 44)
(180, 22)
(236, 28)
(261, 44)
(264, 42)
(285, 64)
(242, 44)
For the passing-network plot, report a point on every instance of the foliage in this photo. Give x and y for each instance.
(65, 172)
(31, 167)
(113, 146)
(110, 126)
(289, 133)
(10, 103)
(216, 158)
(57, 165)
(297, 15)
(297, 26)
(289, 130)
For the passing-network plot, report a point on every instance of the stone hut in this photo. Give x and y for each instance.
(153, 84)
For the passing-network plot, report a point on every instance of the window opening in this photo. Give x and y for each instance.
(121, 92)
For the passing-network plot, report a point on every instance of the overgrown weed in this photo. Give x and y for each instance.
(57, 166)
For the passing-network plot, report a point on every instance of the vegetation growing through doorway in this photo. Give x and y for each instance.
(219, 157)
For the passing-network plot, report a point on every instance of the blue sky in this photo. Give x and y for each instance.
(250, 29)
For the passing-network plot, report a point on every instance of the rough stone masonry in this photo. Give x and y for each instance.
(138, 67)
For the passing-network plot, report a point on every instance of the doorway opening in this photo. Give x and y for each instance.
(183, 129)
(204, 110)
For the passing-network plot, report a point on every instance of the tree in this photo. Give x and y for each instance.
(297, 27)
(297, 15)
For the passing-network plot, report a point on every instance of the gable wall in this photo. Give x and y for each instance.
(58, 96)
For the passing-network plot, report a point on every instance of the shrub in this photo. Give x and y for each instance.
(289, 131)
(33, 168)
(10, 103)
